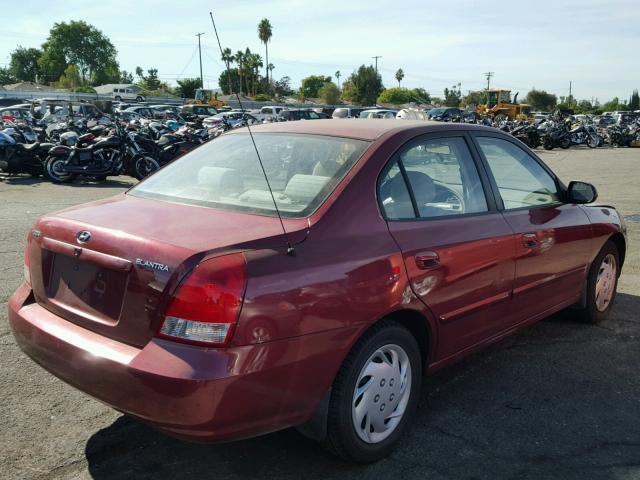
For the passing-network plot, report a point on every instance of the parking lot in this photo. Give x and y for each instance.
(558, 400)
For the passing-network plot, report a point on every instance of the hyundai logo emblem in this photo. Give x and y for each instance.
(83, 236)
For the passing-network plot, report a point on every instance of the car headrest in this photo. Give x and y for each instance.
(304, 188)
(423, 187)
(220, 181)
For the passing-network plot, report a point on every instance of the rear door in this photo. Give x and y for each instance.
(552, 238)
(458, 248)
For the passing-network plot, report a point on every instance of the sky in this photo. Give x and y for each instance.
(545, 44)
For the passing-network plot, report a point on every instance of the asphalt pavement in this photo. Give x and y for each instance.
(559, 399)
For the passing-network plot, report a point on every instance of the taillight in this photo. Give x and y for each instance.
(205, 307)
(27, 262)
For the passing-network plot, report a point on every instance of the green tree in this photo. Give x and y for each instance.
(634, 101)
(452, 96)
(80, 44)
(310, 85)
(282, 87)
(473, 98)
(613, 105)
(329, 93)
(233, 76)
(6, 77)
(24, 63)
(366, 85)
(187, 87)
(125, 77)
(399, 76)
(541, 100)
(150, 81)
(70, 78)
(396, 96)
(584, 106)
(337, 75)
(420, 95)
(265, 32)
(567, 103)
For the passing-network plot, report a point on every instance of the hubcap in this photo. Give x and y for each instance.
(605, 282)
(381, 393)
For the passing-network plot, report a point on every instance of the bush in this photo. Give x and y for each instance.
(262, 97)
(329, 93)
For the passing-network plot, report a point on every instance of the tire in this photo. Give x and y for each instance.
(118, 98)
(100, 178)
(547, 143)
(53, 171)
(597, 305)
(593, 140)
(565, 143)
(399, 389)
(139, 99)
(144, 166)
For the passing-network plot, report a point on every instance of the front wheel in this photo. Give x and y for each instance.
(593, 140)
(602, 283)
(547, 143)
(54, 170)
(565, 143)
(144, 166)
(375, 394)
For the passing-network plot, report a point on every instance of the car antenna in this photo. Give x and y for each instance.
(290, 249)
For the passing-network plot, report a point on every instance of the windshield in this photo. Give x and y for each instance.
(302, 170)
(436, 111)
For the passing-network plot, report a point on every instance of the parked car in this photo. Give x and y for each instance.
(128, 93)
(300, 114)
(444, 114)
(348, 112)
(15, 112)
(144, 111)
(160, 111)
(397, 248)
(271, 110)
(197, 112)
(378, 113)
(232, 117)
(411, 114)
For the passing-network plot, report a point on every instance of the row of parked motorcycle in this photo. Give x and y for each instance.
(564, 132)
(98, 148)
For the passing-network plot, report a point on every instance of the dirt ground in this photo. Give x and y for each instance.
(557, 400)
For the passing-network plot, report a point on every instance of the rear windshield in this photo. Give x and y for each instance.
(340, 113)
(225, 173)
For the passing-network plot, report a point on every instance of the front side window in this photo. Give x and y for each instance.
(521, 180)
(302, 171)
(442, 177)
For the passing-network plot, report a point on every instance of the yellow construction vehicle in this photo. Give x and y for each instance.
(206, 97)
(500, 107)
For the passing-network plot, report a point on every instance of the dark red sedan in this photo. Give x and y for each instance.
(403, 247)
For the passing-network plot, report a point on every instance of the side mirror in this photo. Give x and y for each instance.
(581, 192)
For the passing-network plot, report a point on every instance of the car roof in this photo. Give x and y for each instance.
(361, 128)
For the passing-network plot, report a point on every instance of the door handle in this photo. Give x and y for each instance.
(530, 240)
(427, 260)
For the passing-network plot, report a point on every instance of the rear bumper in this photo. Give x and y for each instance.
(191, 392)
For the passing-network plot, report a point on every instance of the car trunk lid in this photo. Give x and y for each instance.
(108, 266)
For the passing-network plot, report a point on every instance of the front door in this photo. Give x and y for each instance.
(458, 248)
(552, 238)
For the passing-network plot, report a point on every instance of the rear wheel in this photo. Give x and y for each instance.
(139, 99)
(602, 283)
(54, 170)
(547, 143)
(593, 140)
(118, 98)
(375, 394)
(144, 166)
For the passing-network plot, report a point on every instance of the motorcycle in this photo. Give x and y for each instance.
(20, 157)
(582, 134)
(110, 156)
(555, 135)
(527, 134)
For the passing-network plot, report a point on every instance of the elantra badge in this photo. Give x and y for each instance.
(161, 267)
(83, 236)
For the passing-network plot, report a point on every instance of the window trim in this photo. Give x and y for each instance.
(489, 194)
(562, 189)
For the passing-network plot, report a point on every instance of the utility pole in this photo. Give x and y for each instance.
(569, 88)
(488, 75)
(200, 55)
(376, 59)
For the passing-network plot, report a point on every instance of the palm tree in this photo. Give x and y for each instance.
(228, 58)
(240, 61)
(337, 74)
(256, 62)
(399, 76)
(265, 33)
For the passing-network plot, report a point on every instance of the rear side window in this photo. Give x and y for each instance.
(394, 195)
(521, 180)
